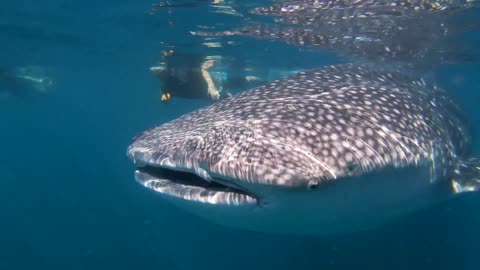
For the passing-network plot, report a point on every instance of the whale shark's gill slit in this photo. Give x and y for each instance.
(188, 179)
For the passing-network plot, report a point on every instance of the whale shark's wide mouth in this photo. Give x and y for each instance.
(191, 187)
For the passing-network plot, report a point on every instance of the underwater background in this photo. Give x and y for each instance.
(68, 199)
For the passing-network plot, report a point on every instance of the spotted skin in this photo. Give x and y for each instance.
(379, 40)
(425, 33)
(290, 7)
(317, 126)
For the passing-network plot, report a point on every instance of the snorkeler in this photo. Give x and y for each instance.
(213, 78)
(189, 77)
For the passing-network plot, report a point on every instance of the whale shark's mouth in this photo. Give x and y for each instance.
(191, 187)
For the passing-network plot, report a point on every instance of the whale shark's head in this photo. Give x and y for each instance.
(334, 148)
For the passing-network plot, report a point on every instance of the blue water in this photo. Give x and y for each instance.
(68, 199)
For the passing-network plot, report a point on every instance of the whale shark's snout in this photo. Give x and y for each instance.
(180, 167)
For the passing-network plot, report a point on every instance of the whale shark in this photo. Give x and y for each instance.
(331, 150)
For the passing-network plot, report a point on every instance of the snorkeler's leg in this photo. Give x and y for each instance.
(212, 90)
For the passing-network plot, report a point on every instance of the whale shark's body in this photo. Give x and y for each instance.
(331, 150)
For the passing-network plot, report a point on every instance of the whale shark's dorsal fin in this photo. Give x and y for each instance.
(466, 176)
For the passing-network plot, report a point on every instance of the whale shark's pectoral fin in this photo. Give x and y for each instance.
(467, 176)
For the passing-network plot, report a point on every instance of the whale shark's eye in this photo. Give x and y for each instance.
(312, 184)
(351, 167)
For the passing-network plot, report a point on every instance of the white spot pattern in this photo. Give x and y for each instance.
(320, 125)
